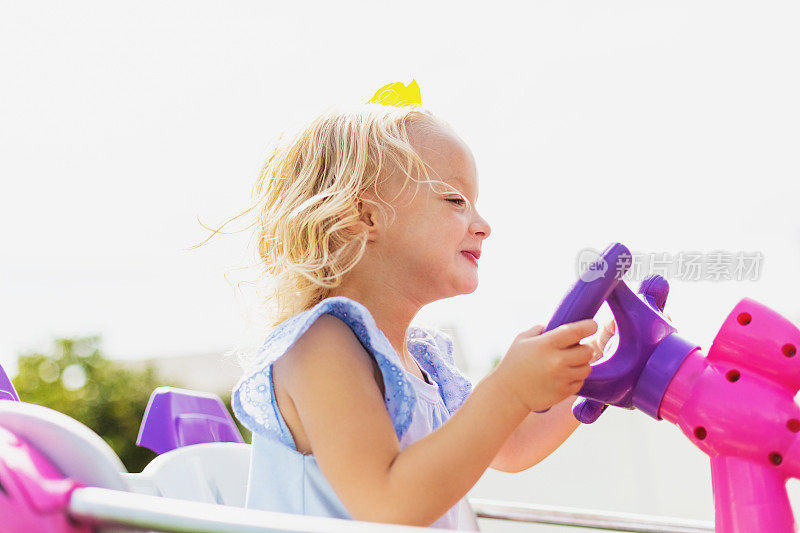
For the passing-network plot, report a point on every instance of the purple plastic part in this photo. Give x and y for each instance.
(655, 289)
(658, 372)
(587, 410)
(641, 328)
(180, 417)
(584, 299)
(7, 391)
(34, 495)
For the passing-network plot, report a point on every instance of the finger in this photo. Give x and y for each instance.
(608, 331)
(575, 386)
(599, 351)
(570, 334)
(533, 332)
(579, 356)
(580, 372)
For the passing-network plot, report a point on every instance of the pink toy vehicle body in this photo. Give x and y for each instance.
(737, 405)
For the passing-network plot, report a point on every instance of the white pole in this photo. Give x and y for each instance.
(106, 507)
(568, 516)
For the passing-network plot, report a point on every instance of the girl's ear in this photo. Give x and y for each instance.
(367, 220)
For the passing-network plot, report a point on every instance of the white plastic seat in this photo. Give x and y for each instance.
(214, 472)
(77, 451)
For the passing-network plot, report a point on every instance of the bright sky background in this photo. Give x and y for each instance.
(666, 126)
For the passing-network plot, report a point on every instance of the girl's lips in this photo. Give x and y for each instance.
(470, 257)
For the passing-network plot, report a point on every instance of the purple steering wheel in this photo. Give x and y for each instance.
(641, 326)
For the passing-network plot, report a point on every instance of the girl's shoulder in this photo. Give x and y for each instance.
(253, 398)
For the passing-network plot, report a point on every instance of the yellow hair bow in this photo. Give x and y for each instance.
(398, 94)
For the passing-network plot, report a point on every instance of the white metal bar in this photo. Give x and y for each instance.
(567, 516)
(105, 507)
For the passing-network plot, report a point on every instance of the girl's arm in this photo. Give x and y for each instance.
(540, 434)
(329, 378)
(536, 437)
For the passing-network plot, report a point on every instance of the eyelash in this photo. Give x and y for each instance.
(457, 200)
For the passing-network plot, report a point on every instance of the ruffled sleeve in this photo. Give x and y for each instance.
(433, 350)
(253, 398)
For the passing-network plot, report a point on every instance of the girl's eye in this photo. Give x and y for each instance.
(456, 200)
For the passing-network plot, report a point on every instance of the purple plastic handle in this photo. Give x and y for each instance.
(584, 299)
(7, 391)
(179, 417)
(593, 287)
(654, 290)
(641, 328)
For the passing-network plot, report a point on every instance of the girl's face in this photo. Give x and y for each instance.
(434, 226)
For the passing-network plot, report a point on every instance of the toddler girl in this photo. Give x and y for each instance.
(365, 217)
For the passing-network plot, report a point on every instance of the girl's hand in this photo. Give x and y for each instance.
(541, 369)
(609, 330)
(599, 344)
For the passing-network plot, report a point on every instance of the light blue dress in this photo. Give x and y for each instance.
(283, 479)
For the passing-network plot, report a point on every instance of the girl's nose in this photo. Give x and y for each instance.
(480, 226)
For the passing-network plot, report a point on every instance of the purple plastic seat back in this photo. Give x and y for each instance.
(7, 391)
(179, 417)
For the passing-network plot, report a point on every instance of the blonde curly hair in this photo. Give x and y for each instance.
(309, 193)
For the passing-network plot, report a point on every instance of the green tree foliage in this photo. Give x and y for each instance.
(77, 380)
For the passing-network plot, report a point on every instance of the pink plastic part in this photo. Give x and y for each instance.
(33, 493)
(749, 497)
(737, 405)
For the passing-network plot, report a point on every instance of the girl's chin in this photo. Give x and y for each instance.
(468, 286)
(470, 291)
